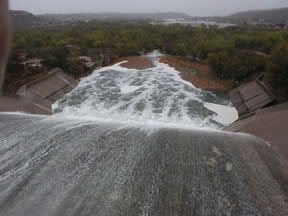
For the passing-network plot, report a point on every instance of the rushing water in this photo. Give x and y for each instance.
(64, 167)
(153, 95)
(98, 164)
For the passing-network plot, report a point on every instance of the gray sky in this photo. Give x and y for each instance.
(192, 7)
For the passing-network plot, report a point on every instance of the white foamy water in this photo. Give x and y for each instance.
(154, 95)
(128, 89)
(224, 113)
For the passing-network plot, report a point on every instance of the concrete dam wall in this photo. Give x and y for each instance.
(55, 166)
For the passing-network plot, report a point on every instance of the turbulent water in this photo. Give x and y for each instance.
(97, 164)
(153, 95)
(53, 166)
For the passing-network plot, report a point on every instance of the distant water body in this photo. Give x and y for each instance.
(195, 23)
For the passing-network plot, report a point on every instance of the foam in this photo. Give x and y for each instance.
(225, 114)
(128, 89)
(153, 96)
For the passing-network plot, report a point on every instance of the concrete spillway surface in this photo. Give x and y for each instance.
(73, 167)
(108, 150)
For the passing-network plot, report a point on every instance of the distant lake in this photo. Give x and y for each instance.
(195, 23)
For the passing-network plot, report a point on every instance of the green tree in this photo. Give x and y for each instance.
(247, 63)
(220, 63)
(58, 58)
(277, 70)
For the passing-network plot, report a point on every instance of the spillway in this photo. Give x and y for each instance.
(75, 167)
(130, 142)
(152, 95)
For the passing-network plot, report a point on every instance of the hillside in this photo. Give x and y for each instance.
(110, 16)
(24, 18)
(274, 16)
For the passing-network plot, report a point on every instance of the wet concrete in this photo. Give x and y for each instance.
(38, 96)
(24, 104)
(71, 167)
(270, 124)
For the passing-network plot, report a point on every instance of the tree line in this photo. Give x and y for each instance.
(233, 53)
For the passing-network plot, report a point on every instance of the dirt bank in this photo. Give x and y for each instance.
(135, 62)
(200, 75)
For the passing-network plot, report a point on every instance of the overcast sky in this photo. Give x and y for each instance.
(191, 7)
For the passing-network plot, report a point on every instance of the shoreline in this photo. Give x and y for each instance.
(200, 75)
(135, 62)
